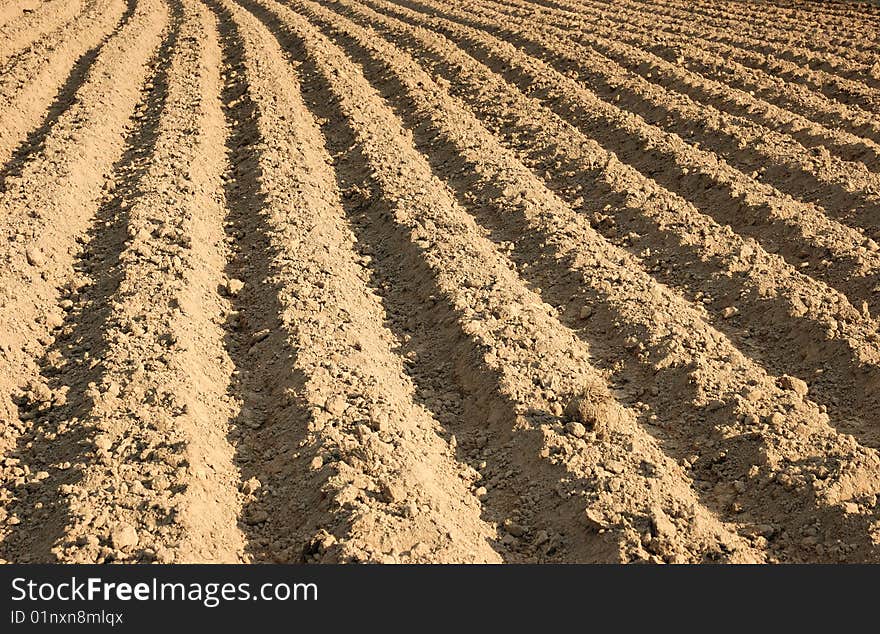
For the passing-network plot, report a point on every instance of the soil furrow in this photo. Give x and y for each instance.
(21, 34)
(42, 84)
(49, 210)
(325, 400)
(563, 230)
(833, 86)
(727, 186)
(639, 333)
(710, 236)
(825, 61)
(583, 174)
(712, 61)
(508, 332)
(759, 25)
(420, 281)
(160, 483)
(727, 106)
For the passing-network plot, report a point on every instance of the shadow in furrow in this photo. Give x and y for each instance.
(424, 318)
(65, 97)
(712, 198)
(854, 150)
(57, 447)
(272, 426)
(854, 208)
(847, 391)
(559, 284)
(841, 89)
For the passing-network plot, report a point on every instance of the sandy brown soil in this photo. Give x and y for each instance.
(439, 281)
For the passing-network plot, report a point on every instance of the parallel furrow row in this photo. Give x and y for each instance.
(343, 463)
(637, 323)
(714, 62)
(603, 44)
(816, 58)
(508, 340)
(47, 214)
(19, 34)
(40, 84)
(840, 88)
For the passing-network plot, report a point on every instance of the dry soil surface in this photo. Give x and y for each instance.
(439, 281)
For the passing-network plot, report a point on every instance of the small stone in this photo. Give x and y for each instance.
(513, 528)
(234, 287)
(53, 321)
(714, 405)
(316, 463)
(250, 486)
(165, 555)
(662, 525)
(592, 409)
(593, 519)
(875, 70)
(729, 312)
(586, 312)
(576, 429)
(257, 516)
(336, 404)
(393, 492)
(123, 536)
(794, 384)
(34, 256)
(379, 421)
(850, 508)
(614, 466)
(754, 394)
(776, 419)
(103, 443)
(481, 492)
(40, 393)
(260, 335)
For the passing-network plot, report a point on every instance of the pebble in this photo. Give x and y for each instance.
(257, 516)
(123, 535)
(41, 393)
(250, 486)
(663, 526)
(591, 410)
(234, 287)
(53, 320)
(776, 419)
(316, 463)
(586, 312)
(336, 404)
(594, 519)
(393, 492)
(481, 492)
(794, 384)
(576, 429)
(729, 312)
(614, 466)
(34, 256)
(103, 442)
(517, 530)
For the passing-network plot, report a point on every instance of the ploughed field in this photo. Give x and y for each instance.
(439, 281)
